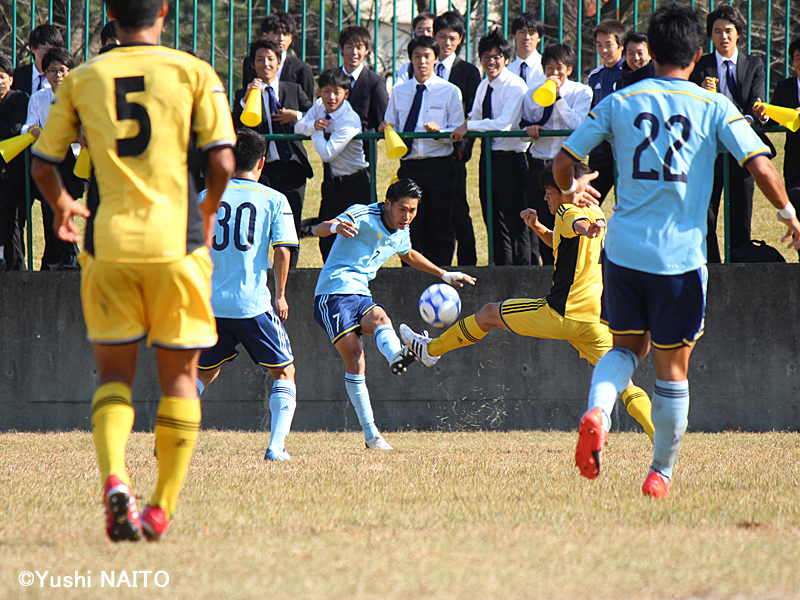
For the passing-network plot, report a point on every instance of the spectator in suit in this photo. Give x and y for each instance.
(13, 108)
(368, 95)
(741, 77)
(421, 25)
(498, 107)
(30, 78)
(527, 30)
(287, 167)
(637, 65)
(280, 28)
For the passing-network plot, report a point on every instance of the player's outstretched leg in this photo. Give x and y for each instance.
(464, 333)
(670, 417)
(638, 405)
(389, 345)
(418, 343)
(282, 404)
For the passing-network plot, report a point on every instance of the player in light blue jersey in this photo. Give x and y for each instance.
(251, 217)
(368, 236)
(665, 133)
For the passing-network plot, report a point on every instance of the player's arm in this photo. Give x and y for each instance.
(221, 166)
(591, 229)
(280, 267)
(531, 219)
(769, 181)
(48, 180)
(416, 260)
(334, 226)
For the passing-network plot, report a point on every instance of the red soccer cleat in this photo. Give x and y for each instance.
(656, 485)
(592, 437)
(154, 523)
(122, 516)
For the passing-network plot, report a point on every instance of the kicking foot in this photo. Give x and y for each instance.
(656, 485)
(592, 436)
(401, 360)
(154, 523)
(378, 443)
(273, 454)
(418, 345)
(122, 516)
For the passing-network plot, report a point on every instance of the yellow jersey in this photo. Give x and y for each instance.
(143, 108)
(578, 279)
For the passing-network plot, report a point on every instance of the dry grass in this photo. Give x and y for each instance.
(447, 515)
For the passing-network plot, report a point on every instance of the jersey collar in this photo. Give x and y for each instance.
(389, 229)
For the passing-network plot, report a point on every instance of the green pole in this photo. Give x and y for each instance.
(250, 21)
(469, 29)
(489, 209)
(321, 35)
(636, 14)
(269, 6)
(413, 9)
(230, 54)
(376, 4)
(433, 6)
(14, 34)
(69, 24)
(505, 19)
(213, 30)
(788, 29)
(358, 12)
(285, 5)
(485, 17)
(373, 174)
(579, 39)
(768, 50)
(449, 4)
(560, 21)
(341, 18)
(194, 27)
(394, 38)
(726, 183)
(303, 47)
(86, 30)
(28, 207)
(541, 15)
(597, 22)
(50, 13)
(750, 31)
(177, 24)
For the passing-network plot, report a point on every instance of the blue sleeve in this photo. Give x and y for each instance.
(405, 246)
(595, 129)
(736, 134)
(355, 214)
(282, 229)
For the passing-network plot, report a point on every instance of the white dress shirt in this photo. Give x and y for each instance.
(402, 74)
(723, 72)
(568, 113)
(283, 60)
(355, 74)
(508, 93)
(38, 111)
(35, 80)
(534, 74)
(441, 103)
(344, 154)
(447, 63)
(272, 151)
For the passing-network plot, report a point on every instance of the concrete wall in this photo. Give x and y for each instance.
(744, 373)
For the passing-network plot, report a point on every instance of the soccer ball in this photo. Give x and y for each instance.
(439, 305)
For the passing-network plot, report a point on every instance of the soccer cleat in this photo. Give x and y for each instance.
(401, 360)
(154, 523)
(418, 345)
(378, 443)
(273, 454)
(592, 436)
(656, 485)
(122, 516)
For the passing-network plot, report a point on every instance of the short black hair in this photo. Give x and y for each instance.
(259, 43)
(6, 65)
(633, 37)
(135, 14)
(610, 27)
(402, 189)
(546, 179)
(334, 77)
(676, 34)
(279, 22)
(61, 55)
(558, 53)
(729, 13)
(494, 39)
(108, 33)
(423, 41)
(452, 19)
(794, 47)
(250, 148)
(355, 34)
(422, 17)
(529, 20)
(45, 35)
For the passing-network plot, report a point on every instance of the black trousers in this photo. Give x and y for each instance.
(793, 189)
(462, 222)
(536, 201)
(512, 245)
(601, 159)
(289, 179)
(741, 190)
(12, 222)
(432, 229)
(337, 196)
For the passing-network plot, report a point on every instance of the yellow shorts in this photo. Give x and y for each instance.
(170, 303)
(535, 318)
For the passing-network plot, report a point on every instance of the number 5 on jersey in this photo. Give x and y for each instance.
(132, 146)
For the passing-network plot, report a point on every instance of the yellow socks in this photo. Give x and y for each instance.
(112, 421)
(177, 428)
(464, 333)
(637, 403)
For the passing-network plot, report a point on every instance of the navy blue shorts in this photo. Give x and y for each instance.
(671, 307)
(263, 337)
(339, 314)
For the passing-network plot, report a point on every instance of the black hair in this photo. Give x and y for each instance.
(334, 77)
(355, 34)
(611, 27)
(633, 37)
(546, 179)
(451, 19)
(402, 189)
(530, 20)
(61, 55)
(279, 22)
(250, 148)
(45, 35)
(729, 13)
(794, 47)
(108, 33)
(494, 39)
(6, 65)
(259, 43)
(422, 17)
(423, 41)
(558, 53)
(675, 35)
(135, 14)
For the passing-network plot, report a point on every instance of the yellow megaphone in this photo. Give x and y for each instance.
(251, 116)
(545, 94)
(83, 166)
(10, 148)
(788, 117)
(394, 179)
(395, 148)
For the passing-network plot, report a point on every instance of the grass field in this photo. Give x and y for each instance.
(446, 515)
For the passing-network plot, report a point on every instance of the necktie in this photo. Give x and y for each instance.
(439, 70)
(40, 85)
(486, 107)
(548, 112)
(326, 167)
(284, 151)
(413, 114)
(326, 134)
(730, 80)
(352, 81)
(523, 68)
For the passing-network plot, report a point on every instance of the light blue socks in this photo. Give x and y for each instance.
(200, 387)
(356, 387)
(610, 378)
(388, 342)
(670, 416)
(282, 402)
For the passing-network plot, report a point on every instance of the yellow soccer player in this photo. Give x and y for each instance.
(572, 309)
(145, 267)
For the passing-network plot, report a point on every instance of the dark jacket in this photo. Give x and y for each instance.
(785, 94)
(369, 99)
(466, 77)
(294, 70)
(629, 77)
(13, 112)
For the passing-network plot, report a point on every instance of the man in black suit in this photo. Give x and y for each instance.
(30, 78)
(741, 78)
(280, 28)
(287, 166)
(368, 95)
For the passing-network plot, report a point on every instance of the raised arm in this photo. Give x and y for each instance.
(416, 260)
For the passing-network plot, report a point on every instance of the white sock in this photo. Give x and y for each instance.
(388, 342)
(282, 403)
(670, 414)
(610, 378)
(356, 387)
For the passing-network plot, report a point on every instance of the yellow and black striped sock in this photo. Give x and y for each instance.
(112, 421)
(637, 403)
(177, 428)
(464, 333)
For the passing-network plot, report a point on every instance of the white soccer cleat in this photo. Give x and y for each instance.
(378, 443)
(418, 345)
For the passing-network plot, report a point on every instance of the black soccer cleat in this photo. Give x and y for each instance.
(401, 360)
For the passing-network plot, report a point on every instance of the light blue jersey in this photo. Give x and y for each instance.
(665, 133)
(353, 262)
(250, 217)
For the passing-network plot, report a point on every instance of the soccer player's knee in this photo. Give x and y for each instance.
(286, 372)
(488, 316)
